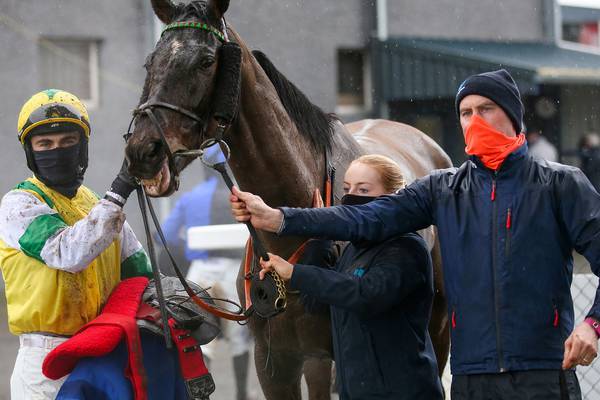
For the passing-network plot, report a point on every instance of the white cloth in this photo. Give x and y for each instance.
(220, 275)
(27, 381)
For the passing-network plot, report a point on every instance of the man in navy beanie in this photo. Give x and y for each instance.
(508, 225)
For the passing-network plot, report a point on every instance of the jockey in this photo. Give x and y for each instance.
(62, 249)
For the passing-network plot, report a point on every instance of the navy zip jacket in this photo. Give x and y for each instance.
(380, 297)
(506, 238)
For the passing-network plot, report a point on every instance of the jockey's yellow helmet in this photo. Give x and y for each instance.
(52, 110)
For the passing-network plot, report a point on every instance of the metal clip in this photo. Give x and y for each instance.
(191, 348)
(211, 142)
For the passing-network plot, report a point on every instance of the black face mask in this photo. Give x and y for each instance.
(356, 200)
(59, 169)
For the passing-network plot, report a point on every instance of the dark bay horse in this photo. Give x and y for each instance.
(278, 143)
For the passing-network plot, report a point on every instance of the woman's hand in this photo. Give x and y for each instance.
(248, 207)
(283, 268)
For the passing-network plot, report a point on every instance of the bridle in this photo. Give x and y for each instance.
(148, 107)
(224, 114)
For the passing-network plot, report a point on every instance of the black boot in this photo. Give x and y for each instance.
(240, 369)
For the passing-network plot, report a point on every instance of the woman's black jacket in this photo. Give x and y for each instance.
(380, 297)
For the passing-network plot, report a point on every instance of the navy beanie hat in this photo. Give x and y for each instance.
(499, 87)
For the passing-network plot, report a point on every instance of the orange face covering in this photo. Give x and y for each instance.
(490, 145)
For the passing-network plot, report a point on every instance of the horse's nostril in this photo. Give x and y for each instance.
(145, 158)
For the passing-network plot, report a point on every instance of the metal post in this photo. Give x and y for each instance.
(382, 20)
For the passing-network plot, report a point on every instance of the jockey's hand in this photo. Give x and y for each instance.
(248, 207)
(277, 264)
(122, 186)
(581, 347)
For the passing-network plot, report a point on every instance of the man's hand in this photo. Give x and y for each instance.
(581, 347)
(124, 175)
(122, 186)
(277, 264)
(248, 207)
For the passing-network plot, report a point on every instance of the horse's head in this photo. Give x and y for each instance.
(176, 98)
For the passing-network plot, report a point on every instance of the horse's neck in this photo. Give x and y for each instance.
(270, 157)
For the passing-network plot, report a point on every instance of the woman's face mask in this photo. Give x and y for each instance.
(356, 200)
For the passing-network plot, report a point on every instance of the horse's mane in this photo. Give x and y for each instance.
(310, 120)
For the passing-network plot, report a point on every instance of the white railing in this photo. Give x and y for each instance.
(217, 237)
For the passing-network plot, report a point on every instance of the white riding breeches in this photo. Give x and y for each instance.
(220, 275)
(27, 381)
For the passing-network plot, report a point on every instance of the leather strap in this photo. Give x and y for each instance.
(198, 381)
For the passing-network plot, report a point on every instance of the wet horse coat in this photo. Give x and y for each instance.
(278, 144)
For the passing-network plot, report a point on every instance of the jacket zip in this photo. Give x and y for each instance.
(453, 318)
(374, 357)
(494, 271)
(508, 232)
(341, 370)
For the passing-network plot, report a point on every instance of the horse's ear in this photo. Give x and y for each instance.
(164, 10)
(219, 7)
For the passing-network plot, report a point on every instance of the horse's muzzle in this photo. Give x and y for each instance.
(145, 158)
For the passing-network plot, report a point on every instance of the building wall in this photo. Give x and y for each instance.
(467, 19)
(123, 31)
(301, 38)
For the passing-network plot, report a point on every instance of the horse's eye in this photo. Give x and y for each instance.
(206, 62)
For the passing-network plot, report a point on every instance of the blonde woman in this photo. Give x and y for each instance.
(380, 296)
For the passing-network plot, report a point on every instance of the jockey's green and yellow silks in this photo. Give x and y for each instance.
(43, 297)
(136, 264)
